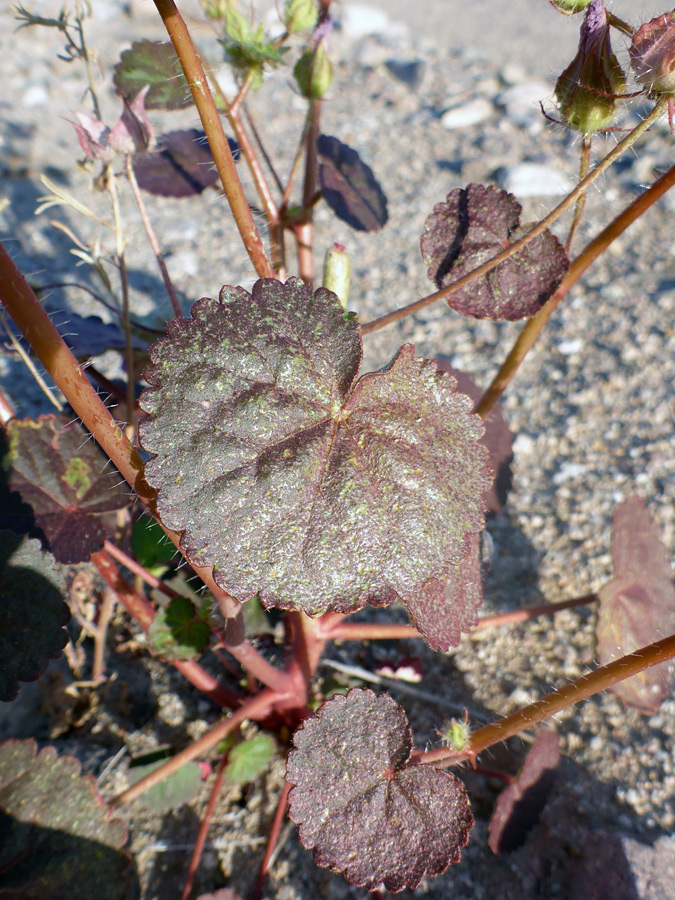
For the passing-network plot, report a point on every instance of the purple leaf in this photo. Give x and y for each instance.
(637, 606)
(61, 473)
(362, 806)
(475, 224)
(133, 133)
(180, 166)
(295, 480)
(58, 839)
(518, 808)
(152, 64)
(32, 613)
(498, 438)
(349, 186)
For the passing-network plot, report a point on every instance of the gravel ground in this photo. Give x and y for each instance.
(592, 406)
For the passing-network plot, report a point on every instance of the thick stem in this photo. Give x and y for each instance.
(602, 678)
(222, 155)
(534, 327)
(540, 227)
(304, 233)
(256, 708)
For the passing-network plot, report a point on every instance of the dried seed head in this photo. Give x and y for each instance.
(652, 54)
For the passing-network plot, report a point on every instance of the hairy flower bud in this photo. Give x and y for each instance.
(300, 15)
(569, 7)
(313, 72)
(652, 54)
(586, 91)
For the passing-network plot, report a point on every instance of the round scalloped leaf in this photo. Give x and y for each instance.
(177, 789)
(154, 64)
(637, 606)
(181, 165)
(58, 839)
(179, 631)
(475, 224)
(291, 479)
(349, 187)
(62, 474)
(250, 759)
(32, 612)
(362, 807)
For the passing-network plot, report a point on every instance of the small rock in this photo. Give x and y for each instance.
(521, 102)
(35, 96)
(568, 471)
(569, 348)
(469, 114)
(410, 72)
(532, 180)
(358, 20)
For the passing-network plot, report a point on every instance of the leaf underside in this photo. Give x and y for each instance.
(349, 187)
(57, 837)
(519, 806)
(637, 606)
(154, 64)
(361, 807)
(181, 165)
(32, 612)
(475, 224)
(298, 482)
(62, 474)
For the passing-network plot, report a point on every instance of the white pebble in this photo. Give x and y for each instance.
(568, 471)
(531, 180)
(468, 114)
(35, 96)
(521, 101)
(569, 348)
(358, 20)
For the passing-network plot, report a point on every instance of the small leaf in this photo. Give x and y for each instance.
(295, 480)
(250, 759)
(180, 166)
(177, 789)
(349, 186)
(62, 474)
(179, 632)
(519, 806)
(362, 806)
(498, 438)
(32, 612)
(637, 606)
(58, 839)
(154, 64)
(151, 547)
(472, 226)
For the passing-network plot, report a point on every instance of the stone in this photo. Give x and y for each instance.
(532, 180)
(467, 114)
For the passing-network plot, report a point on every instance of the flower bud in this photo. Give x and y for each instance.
(652, 54)
(337, 272)
(586, 91)
(300, 15)
(313, 72)
(569, 7)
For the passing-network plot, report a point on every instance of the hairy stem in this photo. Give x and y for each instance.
(272, 839)
(535, 325)
(602, 678)
(540, 227)
(222, 155)
(584, 166)
(204, 828)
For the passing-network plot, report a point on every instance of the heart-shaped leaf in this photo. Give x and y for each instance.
(179, 631)
(180, 166)
(154, 64)
(475, 224)
(637, 607)
(519, 806)
(177, 789)
(250, 759)
(32, 613)
(295, 480)
(362, 806)
(61, 473)
(349, 186)
(58, 839)
(498, 438)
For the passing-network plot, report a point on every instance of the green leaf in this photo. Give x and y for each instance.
(155, 64)
(250, 759)
(151, 547)
(299, 482)
(179, 631)
(177, 789)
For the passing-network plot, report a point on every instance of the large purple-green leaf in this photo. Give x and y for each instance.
(154, 64)
(62, 474)
(181, 165)
(362, 806)
(637, 606)
(291, 478)
(349, 187)
(32, 612)
(475, 224)
(57, 839)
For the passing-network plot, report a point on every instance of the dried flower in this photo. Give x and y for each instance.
(652, 54)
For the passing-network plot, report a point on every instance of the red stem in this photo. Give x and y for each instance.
(204, 828)
(279, 816)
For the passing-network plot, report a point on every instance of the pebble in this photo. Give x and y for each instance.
(410, 72)
(359, 20)
(533, 180)
(521, 103)
(469, 114)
